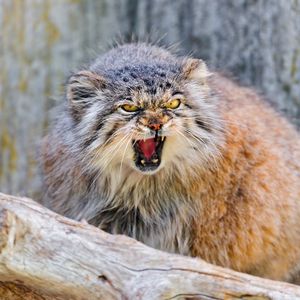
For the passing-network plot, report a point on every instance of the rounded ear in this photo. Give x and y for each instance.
(84, 85)
(195, 69)
(82, 88)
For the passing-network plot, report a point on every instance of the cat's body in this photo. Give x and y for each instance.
(153, 146)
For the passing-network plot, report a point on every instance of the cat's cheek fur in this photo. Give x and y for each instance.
(114, 156)
(175, 150)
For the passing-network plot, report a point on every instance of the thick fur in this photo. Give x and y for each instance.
(228, 187)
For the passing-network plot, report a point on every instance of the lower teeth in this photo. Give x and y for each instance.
(155, 161)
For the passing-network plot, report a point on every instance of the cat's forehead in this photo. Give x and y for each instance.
(147, 82)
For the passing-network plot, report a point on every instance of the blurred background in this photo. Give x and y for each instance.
(257, 42)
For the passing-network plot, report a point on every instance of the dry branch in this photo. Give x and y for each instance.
(46, 256)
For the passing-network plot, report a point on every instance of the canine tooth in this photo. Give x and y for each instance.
(155, 160)
(142, 161)
(163, 138)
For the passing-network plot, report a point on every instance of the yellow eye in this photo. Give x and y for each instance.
(173, 104)
(130, 108)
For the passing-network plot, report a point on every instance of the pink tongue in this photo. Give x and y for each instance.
(147, 147)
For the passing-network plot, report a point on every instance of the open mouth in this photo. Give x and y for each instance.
(148, 153)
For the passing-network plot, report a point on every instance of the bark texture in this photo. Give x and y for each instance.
(42, 40)
(46, 256)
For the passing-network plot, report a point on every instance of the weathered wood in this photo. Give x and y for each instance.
(46, 256)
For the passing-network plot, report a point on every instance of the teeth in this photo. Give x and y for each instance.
(143, 162)
(155, 160)
(163, 138)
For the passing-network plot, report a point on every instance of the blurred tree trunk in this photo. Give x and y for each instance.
(258, 41)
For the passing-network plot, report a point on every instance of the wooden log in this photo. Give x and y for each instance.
(46, 256)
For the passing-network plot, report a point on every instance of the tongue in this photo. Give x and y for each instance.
(147, 147)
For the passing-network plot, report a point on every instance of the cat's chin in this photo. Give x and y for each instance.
(148, 170)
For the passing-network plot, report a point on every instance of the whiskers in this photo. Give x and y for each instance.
(129, 139)
(102, 157)
(206, 147)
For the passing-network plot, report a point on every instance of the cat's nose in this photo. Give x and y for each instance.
(155, 126)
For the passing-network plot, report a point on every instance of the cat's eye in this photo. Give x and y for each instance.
(130, 108)
(173, 104)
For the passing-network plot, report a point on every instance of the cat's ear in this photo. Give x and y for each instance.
(195, 69)
(82, 88)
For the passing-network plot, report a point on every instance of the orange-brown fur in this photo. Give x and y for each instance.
(250, 205)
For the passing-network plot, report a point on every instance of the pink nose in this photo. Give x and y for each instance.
(155, 126)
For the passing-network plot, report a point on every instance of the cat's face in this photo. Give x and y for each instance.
(158, 120)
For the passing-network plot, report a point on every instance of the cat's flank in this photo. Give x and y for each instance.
(154, 146)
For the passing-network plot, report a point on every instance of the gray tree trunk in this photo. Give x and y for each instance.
(257, 41)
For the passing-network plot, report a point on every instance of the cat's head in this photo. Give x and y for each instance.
(148, 115)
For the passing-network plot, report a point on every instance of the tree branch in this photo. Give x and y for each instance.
(46, 256)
